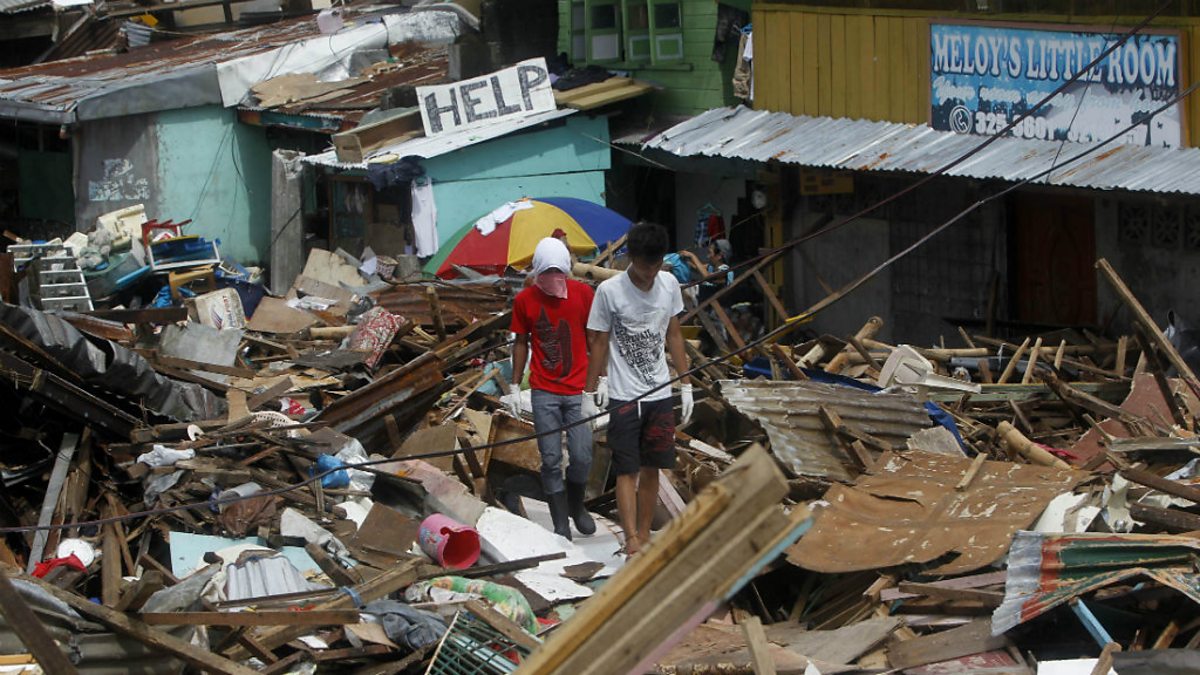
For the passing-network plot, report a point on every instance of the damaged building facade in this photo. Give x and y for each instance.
(854, 105)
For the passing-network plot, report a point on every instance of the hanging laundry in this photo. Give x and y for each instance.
(424, 217)
(743, 74)
(730, 21)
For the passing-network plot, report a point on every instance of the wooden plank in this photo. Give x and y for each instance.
(1171, 520)
(387, 583)
(507, 627)
(1161, 484)
(110, 562)
(700, 513)
(916, 44)
(824, 66)
(760, 651)
(897, 82)
(883, 73)
(274, 391)
(156, 639)
(188, 364)
(1142, 317)
(812, 68)
(986, 598)
(333, 569)
(327, 617)
(796, 69)
(682, 575)
(354, 145)
(21, 619)
(866, 66)
(58, 476)
(837, 66)
(853, 66)
(136, 595)
(972, 638)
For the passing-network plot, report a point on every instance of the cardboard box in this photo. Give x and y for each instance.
(218, 309)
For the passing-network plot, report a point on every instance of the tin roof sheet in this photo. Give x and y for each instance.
(790, 414)
(18, 6)
(428, 147)
(863, 145)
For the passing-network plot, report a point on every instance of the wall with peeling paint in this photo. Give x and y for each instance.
(218, 173)
(194, 163)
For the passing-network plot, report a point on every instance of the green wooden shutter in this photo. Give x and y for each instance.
(666, 30)
(637, 31)
(603, 30)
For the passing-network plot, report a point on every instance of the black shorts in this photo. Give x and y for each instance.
(645, 439)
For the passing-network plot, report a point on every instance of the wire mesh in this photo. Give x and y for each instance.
(472, 647)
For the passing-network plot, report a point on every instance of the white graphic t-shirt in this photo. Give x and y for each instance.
(636, 323)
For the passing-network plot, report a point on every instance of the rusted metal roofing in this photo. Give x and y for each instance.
(414, 67)
(863, 145)
(52, 90)
(789, 413)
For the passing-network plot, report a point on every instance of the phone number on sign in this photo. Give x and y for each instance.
(991, 123)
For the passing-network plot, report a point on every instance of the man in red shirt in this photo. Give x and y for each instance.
(553, 311)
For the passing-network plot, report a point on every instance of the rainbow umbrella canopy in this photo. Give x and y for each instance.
(515, 228)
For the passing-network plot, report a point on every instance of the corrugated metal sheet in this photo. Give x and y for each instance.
(863, 145)
(788, 412)
(55, 87)
(18, 6)
(435, 146)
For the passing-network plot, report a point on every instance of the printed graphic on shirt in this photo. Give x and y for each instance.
(555, 342)
(639, 348)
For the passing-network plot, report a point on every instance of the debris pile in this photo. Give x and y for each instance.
(327, 481)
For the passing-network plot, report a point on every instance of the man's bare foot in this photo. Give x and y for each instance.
(633, 545)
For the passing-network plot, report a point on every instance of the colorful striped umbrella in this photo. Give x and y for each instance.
(519, 226)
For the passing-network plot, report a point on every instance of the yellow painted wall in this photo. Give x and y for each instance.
(874, 64)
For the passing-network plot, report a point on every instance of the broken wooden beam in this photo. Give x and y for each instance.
(326, 617)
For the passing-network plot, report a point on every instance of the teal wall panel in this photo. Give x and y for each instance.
(218, 173)
(465, 201)
(568, 160)
(578, 145)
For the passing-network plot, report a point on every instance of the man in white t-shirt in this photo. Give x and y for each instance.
(635, 315)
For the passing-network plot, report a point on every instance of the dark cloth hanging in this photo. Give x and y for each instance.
(730, 21)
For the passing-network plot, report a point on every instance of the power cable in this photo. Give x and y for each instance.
(366, 466)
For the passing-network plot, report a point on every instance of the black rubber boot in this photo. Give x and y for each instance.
(583, 519)
(558, 513)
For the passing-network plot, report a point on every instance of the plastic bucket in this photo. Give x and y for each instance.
(450, 543)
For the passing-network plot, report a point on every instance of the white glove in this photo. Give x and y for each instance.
(588, 406)
(685, 398)
(512, 403)
(602, 392)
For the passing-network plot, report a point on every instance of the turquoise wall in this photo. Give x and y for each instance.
(563, 161)
(218, 173)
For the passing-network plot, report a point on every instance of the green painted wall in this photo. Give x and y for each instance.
(562, 161)
(702, 84)
(218, 173)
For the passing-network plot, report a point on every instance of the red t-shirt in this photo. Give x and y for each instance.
(558, 356)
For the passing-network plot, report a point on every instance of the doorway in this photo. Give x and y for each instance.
(1054, 256)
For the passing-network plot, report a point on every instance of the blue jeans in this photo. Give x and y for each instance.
(551, 411)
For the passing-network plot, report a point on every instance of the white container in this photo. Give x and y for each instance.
(220, 309)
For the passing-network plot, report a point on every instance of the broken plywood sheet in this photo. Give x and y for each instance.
(908, 511)
(202, 344)
(440, 438)
(1145, 400)
(274, 316)
(305, 286)
(286, 89)
(937, 440)
(843, 645)
(710, 647)
(332, 269)
(788, 412)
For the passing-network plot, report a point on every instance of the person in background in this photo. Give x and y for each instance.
(549, 318)
(633, 324)
(719, 253)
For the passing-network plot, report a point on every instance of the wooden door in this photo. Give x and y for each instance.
(1054, 255)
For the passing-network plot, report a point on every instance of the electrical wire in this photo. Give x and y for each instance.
(945, 167)
(753, 344)
(367, 465)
